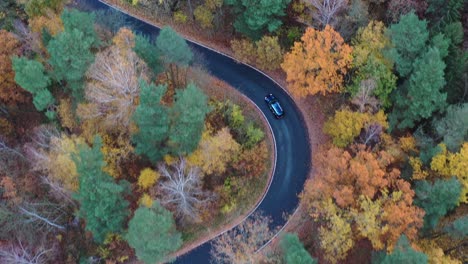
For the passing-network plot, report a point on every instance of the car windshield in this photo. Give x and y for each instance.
(276, 106)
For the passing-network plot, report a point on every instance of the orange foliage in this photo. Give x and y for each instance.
(9, 190)
(317, 63)
(252, 162)
(124, 39)
(52, 22)
(10, 93)
(367, 190)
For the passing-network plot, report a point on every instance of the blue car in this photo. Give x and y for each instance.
(274, 106)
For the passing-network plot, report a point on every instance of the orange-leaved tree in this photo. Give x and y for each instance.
(10, 93)
(317, 63)
(363, 188)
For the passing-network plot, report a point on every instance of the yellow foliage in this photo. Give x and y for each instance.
(418, 172)
(114, 152)
(435, 253)
(62, 168)
(215, 152)
(146, 200)
(369, 222)
(370, 40)
(380, 118)
(124, 39)
(408, 144)
(180, 17)
(244, 50)
(66, 115)
(147, 178)
(440, 163)
(204, 16)
(345, 126)
(169, 160)
(269, 53)
(336, 238)
(52, 22)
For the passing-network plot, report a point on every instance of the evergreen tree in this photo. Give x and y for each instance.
(294, 251)
(402, 253)
(436, 199)
(101, 199)
(453, 127)
(30, 75)
(187, 120)
(421, 95)
(148, 52)
(152, 120)
(83, 22)
(254, 17)
(409, 38)
(70, 57)
(173, 48)
(152, 233)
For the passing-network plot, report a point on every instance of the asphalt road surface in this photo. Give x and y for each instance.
(290, 132)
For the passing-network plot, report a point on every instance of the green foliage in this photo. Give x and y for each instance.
(101, 199)
(41, 7)
(458, 229)
(453, 127)
(70, 57)
(294, 251)
(402, 253)
(421, 96)
(173, 48)
(152, 233)
(383, 76)
(82, 21)
(442, 12)
(153, 122)
(253, 135)
(148, 52)
(436, 199)
(187, 119)
(254, 17)
(235, 117)
(409, 38)
(30, 75)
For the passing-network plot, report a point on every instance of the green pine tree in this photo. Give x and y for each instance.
(148, 52)
(101, 199)
(83, 22)
(294, 251)
(402, 253)
(152, 233)
(152, 120)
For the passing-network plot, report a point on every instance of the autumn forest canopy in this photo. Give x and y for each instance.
(116, 146)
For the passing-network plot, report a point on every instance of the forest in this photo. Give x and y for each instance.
(117, 147)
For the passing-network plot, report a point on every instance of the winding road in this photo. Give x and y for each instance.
(290, 133)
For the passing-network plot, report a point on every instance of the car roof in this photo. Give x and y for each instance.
(277, 107)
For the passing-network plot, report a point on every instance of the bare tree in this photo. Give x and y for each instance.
(371, 134)
(365, 97)
(44, 216)
(114, 87)
(327, 11)
(19, 254)
(12, 160)
(240, 245)
(182, 189)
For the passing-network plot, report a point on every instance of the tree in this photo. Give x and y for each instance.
(251, 162)
(10, 92)
(187, 120)
(436, 199)
(152, 233)
(29, 74)
(364, 98)
(398, 8)
(147, 178)
(83, 22)
(347, 125)
(327, 11)
(409, 38)
(113, 83)
(41, 7)
(435, 254)
(294, 251)
(182, 189)
(359, 195)
(453, 127)
(49, 23)
(254, 17)
(101, 199)
(370, 41)
(153, 122)
(215, 152)
(244, 50)
(70, 57)
(175, 53)
(317, 63)
(239, 245)
(269, 53)
(148, 52)
(422, 95)
(403, 253)
(204, 16)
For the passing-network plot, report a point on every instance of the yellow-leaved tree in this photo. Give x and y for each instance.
(318, 63)
(148, 177)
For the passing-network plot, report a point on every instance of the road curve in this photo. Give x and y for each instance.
(292, 144)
